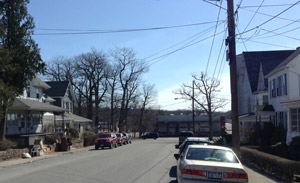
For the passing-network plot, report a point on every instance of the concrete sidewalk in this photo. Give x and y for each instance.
(13, 162)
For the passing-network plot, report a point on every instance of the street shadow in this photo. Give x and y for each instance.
(99, 149)
(172, 172)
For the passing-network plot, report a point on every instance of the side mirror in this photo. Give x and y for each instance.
(177, 146)
(176, 156)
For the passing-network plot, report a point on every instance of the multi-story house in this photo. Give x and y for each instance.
(62, 93)
(25, 116)
(253, 97)
(284, 94)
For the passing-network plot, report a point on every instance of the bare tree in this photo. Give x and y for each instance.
(130, 70)
(148, 95)
(205, 96)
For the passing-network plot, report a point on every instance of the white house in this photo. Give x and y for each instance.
(284, 93)
(253, 100)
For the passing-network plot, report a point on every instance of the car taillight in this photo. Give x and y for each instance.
(193, 172)
(236, 175)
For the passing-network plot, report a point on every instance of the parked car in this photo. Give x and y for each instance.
(151, 135)
(121, 139)
(106, 140)
(128, 138)
(200, 163)
(193, 140)
(183, 135)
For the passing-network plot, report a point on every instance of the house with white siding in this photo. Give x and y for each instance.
(284, 94)
(253, 96)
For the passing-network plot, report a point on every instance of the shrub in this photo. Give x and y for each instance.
(73, 132)
(51, 139)
(267, 132)
(294, 149)
(279, 135)
(86, 133)
(280, 167)
(90, 140)
(7, 144)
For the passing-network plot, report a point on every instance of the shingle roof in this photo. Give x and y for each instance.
(33, 105)
(269, 60)
(58, 88)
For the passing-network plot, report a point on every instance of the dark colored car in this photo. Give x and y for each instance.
(106, 140)
(128, 138)
(183, 135)
(151, 135)
(192, 141)
(121, 139)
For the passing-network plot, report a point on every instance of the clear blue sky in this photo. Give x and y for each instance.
(167, 73)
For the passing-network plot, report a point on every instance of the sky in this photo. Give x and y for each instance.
(192, 43)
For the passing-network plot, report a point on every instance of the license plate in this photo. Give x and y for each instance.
(101, 145)
(214, 175)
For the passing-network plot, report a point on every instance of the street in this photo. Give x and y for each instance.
(143, 161)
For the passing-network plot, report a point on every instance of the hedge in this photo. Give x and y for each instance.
(277, 166)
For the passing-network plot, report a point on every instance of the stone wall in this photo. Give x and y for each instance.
(12, 153)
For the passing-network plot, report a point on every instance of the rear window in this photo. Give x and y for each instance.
(186, 134)
(104, 136)
(205, 154)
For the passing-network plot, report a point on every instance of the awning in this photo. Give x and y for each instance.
(33, 105)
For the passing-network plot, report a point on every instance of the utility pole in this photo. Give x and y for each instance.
(193, 106)
(233, 78)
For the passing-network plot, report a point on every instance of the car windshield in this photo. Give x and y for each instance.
(104, 136)
(195, 142)
(207, 154)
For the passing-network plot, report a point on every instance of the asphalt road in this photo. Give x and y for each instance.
(143, 161)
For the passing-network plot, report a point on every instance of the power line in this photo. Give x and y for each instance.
(167, 54)
(281, 34)
(117, 31)
(267, 6)
(254, 15)
(270, 19)
(212, 44)
(271, 44)
(195, 35)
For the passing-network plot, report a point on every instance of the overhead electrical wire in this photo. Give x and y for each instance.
(213, 40)
(267, 6)
(281, 34)
(270, 18)
(271, 44)
(253, 16)
(115, 31)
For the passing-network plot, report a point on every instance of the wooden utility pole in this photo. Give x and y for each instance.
(233, 78)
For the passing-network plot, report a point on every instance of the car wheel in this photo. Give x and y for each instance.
(96, 147)
(102, 147)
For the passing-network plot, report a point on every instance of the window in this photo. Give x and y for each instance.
(279, 86)
(265, 100)
(36, 119)
(37, 93)
(295, 119)
(12, 120)
(284, 84)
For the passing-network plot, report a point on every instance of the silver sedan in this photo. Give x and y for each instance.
(199, 163)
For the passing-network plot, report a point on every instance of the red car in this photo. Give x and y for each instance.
(106, 140)
(121, 139)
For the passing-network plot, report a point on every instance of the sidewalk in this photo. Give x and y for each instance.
(13, 162)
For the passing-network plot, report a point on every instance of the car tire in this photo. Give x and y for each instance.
(102, 147)
(96, 147)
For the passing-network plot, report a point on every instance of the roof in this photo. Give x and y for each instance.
(264, 108)
(268, 59)
(286, 61)
(186, 118)
(58, 88)
(37, 82)
(78, 119)
(34, 105)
